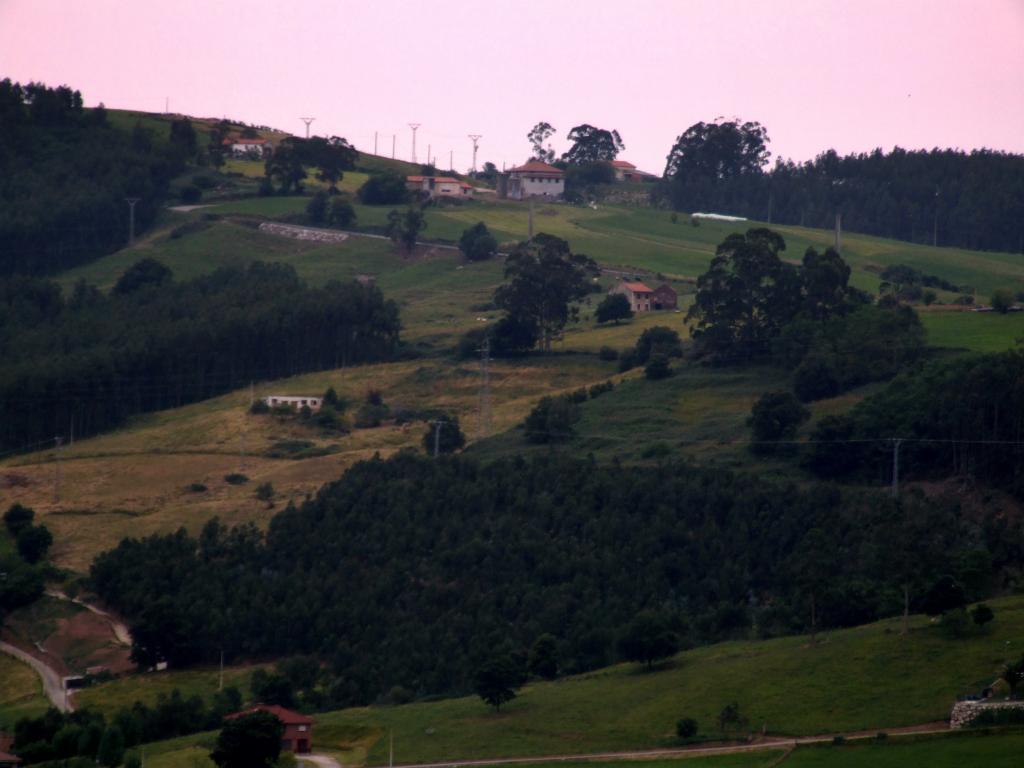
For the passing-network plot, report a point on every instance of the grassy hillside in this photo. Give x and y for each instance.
(21, 692)
(866, 679)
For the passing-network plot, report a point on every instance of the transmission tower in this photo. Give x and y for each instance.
(308, 121)
(475, 137)
(484, 417)
(131, 218)
(414, 126)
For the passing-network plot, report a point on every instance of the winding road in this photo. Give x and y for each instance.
(53, 684)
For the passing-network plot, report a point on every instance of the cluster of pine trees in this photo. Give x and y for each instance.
(414, 572)
(85, 364)
(65, 174)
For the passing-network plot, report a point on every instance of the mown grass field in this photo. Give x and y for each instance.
(860, 679)
(998, 750)
(21, 692)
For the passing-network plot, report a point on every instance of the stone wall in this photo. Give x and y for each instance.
(303, 233)
(965, 711)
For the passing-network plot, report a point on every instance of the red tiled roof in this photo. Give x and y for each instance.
(6, 758)
(536, 166)
(637, 287)
(622, 164)
(286, 716)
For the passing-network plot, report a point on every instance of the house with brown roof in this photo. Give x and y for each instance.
(626, 171)
(298, 728)
(532, 179)
(665, 297)
(638, 295)
(9, 761)
(439, 186)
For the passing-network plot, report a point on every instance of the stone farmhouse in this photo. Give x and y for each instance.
(644, 299)
(626, 171)
(439, 186)
(532, 179)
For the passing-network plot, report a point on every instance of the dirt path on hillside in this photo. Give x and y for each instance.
(766, 743)
(53, 685)
(118, 627)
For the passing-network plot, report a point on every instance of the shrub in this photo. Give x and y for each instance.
(658, 368)
(191, 194)
(330, 420)
(477, 243)
(659, 339)
(599, 389)
(775, 416)
(369, 416)
(964, 299)
(686, 727)
(316, 208)
(383, 189)
(929, 297)
(18, 517)
(236, 478)
(608, 354)
(259, 406)
(265, 491)
(448, 440)
(816, 378)
(373, 397)
(838, 740)
(196, 488)
(1002, 300)
(1000, 716)
(981, 614)
(204, 182)
(342, 213)
(578, 396)
(613, 307)
(551, 420)
(33, 543)
(656, 451)
(627, 360)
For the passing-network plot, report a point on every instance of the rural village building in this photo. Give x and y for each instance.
(439, 186)
(643, 299)
(665, 297)
(298, 729)
(533, 179)
(638, 295)
(9, 761)
(294, 401)
(626, 171)
(240, 147)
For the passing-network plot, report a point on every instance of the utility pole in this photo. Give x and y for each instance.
(308, 121)
(394, 137)
(131, 218)
(896, 467)
(935, 223)
(451, 160)
(220, 685)
(375, 142)
(475, 138)
(484, 416)
(56, 471)
(167, 105)
(414, 127)
(391, 749)
(839, 234)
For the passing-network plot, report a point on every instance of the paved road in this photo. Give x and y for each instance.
(322, 761)
(769, 743)
(53, 685)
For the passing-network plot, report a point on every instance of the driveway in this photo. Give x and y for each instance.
(53, 685)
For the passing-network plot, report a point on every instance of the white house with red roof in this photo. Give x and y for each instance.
(439, 186)
(640, 297)
(533, 179)
(297, 736)
(242, 147)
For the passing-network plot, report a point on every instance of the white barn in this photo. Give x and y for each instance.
(535, 179)
(294, 401)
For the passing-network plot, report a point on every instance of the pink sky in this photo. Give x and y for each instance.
(817, 74)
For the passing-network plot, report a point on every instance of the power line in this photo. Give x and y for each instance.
(415, 127)
(308, 121)
(475, 138)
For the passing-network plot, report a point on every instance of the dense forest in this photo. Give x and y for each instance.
(84, 364)
(961, 417)
(944, 196)
(413, 571)
(65, 174)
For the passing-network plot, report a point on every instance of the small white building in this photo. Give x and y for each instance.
(240, 147)
(534, 179)
(439, 186)
(294, 401)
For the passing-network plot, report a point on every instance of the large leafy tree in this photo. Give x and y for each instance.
(592, 145)
(539, 134)
(251, 741)
(543, 279)
(332, 157)
(287, 166)
(648, 639)
(745, 297)
(405, 228)
(825, 277)
(497, 680)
